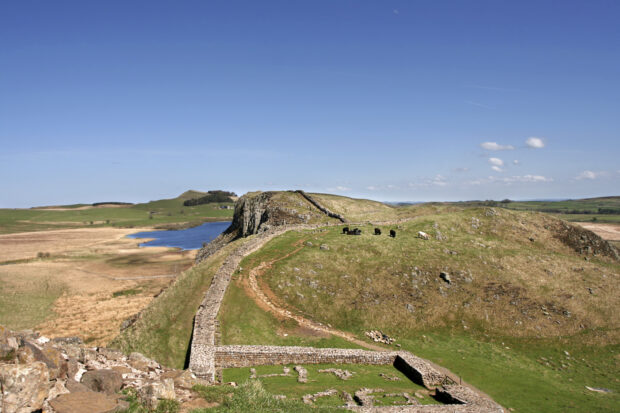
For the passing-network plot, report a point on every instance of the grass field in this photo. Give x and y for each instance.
(165, 213)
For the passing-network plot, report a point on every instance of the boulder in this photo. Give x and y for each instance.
(75, 386)
(85, 402)
(139, 362)
(24, 387)
(103, 381)
(153, 392)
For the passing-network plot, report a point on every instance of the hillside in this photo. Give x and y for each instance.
(491, 290)
(164, 214)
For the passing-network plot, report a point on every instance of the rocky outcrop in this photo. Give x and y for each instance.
(259, 212)
(584, 241)
(65, 376)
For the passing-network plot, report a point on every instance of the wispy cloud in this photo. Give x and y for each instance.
(497, 168)
(591, 175)
(480, 105)
(516, 162)
(493, 88)
(461, 169)
(534, 142)
(494, 146)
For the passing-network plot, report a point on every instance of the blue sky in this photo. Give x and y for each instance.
(390, 100)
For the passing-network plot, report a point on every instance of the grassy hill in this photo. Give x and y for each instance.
(518, 298)
(602, 209)
(164, 213)
(496, 295)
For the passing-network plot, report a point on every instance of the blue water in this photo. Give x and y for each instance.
(187, 239)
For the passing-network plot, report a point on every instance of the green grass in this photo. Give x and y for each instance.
(125, 293)
(162, 213)
(243, 322)
(364, 376)
(164, 330)
(29, 304)
(514, 371)
(252, 397)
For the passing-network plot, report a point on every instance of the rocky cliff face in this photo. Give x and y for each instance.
(258, 212)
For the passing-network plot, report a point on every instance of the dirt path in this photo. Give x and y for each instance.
(266, 300)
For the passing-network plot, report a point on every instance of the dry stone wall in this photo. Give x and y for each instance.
(320, 207)
(246, 356)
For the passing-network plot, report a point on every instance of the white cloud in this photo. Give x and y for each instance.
(523, 178)
(439, 180)
(534, 142)
(339, 189)
(588, 175)
(496, 162)
(463, 169)
(497, 168)
(516, 162)
(494, 146)
(372, 188)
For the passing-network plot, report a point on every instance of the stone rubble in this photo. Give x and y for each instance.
(64, 376)
(378, 337)
(341, 374)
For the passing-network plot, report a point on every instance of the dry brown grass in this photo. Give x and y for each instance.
(71, 292)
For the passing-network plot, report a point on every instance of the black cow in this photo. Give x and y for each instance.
(355, 231)
(377, 231)
(392, 233)
(345, 230)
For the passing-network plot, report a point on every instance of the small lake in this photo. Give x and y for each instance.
(187, 239)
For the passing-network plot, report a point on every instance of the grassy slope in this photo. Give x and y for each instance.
(452, 329)
(164, 330)
(164, 212)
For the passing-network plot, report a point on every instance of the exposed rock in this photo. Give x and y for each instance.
(140, 362)
(324, 247)
(24, 387)
(446, 277)
(341, 374)
(311, 398)
(379, 337)
(302, 374)
(389, 377)
(85, 402)
(365, 398)
(103, 381)
(584, 241)
(155, 391)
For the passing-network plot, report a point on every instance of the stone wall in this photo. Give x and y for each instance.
(247, 356)
(320, 207)
(203, 337)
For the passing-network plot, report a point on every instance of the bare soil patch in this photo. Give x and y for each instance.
(609, 232)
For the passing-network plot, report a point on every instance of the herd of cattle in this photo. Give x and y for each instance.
(357, 231)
